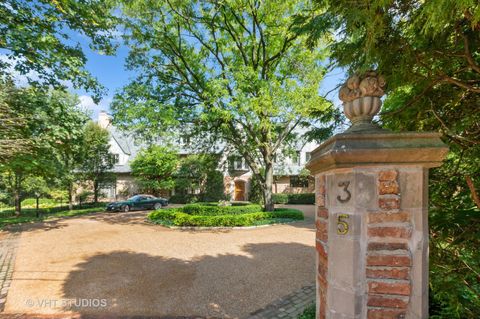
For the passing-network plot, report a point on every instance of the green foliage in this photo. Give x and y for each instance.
(305, 198)
(198, 177)
(308, 313)
(214, 209)
(84, 196)
(96, 157)
(7, 217)
(12, 138)
(177, 217)
(154, 168)
(454, 223)
(255, 194)
(226, 71)
(43, 203)
(39, 39)
(183, 198)
(51, 123)
(280, 198)
(36, 186)
(429, 53)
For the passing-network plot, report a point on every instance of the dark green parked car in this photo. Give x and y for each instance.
(138, 202)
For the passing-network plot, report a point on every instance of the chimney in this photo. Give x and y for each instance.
(104, 119)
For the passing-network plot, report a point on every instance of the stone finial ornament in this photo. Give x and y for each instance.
(361, 99)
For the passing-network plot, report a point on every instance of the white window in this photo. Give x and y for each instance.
(239, 164)
(116, 158)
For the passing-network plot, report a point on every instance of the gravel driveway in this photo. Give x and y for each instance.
(112, 264)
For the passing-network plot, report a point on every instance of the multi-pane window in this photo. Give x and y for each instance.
(240, 164)
(116, 158)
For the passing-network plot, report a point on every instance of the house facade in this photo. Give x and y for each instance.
(289, 176)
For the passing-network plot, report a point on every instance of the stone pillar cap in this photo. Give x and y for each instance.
(352, 149)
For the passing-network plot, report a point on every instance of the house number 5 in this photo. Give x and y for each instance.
(347, 195)
(342, 225)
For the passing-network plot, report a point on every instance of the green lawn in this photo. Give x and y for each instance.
(7, 216)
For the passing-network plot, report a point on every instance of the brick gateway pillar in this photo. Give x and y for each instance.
(372, 213)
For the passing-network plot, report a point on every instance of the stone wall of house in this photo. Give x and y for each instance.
(125, 186)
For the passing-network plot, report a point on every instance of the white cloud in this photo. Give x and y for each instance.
(87, 103)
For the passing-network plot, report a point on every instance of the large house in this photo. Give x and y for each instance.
(237, 175)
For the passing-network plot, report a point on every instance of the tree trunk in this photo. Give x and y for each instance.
(37, 211)
(70, 196)
(95, 191)
(16, 196)
(267, 188)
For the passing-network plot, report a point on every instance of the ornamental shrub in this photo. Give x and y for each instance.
(177, 217)
(304, 198)
(280, 198)
(209, 210)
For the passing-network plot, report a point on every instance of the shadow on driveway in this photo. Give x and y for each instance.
(223, 286)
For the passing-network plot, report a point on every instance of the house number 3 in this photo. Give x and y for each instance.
(342, 225)
(347, 194)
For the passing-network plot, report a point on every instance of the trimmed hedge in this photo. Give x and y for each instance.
(280, 198)
(192, 198)
(210, 209)
(304, 198)
(176, 217)
(183, 198)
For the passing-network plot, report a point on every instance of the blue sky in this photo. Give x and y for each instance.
(111, 72)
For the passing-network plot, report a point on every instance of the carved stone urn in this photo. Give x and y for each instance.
(361, 99)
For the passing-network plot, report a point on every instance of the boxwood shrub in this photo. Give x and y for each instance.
(210, 210)
(280, 198)
(305, 198)
(177, 217)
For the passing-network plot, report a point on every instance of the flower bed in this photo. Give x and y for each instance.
(208, 215)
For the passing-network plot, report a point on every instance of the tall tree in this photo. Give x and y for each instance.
(154, 168)
(48, 122)
(429, 52)
(12, 124)
(40, 39)
(70, 124)
(37, 187)
(97, 159)
(199, 174)
(230, 71)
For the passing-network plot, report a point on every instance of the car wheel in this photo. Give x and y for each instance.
(126, 208)
(157, 206)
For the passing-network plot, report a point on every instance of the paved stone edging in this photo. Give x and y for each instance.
(8, 247)
(288, 307)
(227, 228)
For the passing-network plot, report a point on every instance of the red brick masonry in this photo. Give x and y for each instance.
(321, 245)
(389, 260)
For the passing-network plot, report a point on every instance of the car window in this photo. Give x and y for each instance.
(135, 198)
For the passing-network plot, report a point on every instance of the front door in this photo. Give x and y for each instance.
(240, 190)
